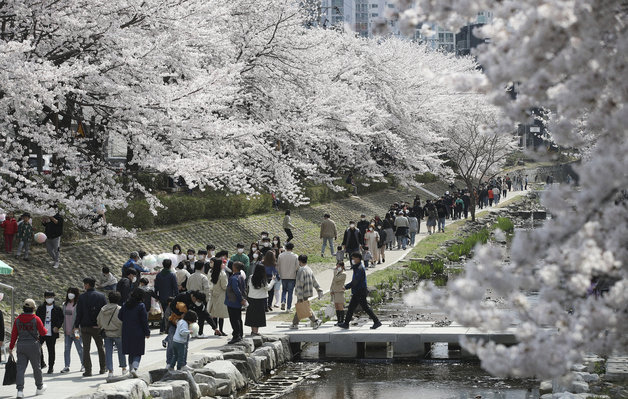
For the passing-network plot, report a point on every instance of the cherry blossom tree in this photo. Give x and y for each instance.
(567, 57)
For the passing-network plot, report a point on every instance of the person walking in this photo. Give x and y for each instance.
(127, 283)
(52, 317)
(234, 299)
(441, 213)
(24, 236)
(109, 322)
(371, 239)
(53, 228)
(217, 307)
(304, 289)
(89, 304)
(363, 224)
(387, 227)
(270, 268)
(27, 328)
(352, 240)
(135, 330)
(328, 234)
(259, 298)
(287, 266)
(359, 292)
(381, 246)
(166, 286)
(413, 227)
(337, 292)
(288, 226)
(70, 337)
(10, 230)
(401, 226)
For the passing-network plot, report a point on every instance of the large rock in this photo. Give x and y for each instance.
(263, 361)
(93, 395)
(213, 355)
(195, 392)
(244, 368)
(197, 360)
(224, 387)
(180, 388)
(255, 363)
(127, 389)
(277, 347)
(207, 389)
(269, 354)
(257, 341)
(157, 374)
(236, 355)
(226, 370)
(162, 390)
(118, 378)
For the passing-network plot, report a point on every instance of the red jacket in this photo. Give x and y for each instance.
(9, 226)
(25, 318)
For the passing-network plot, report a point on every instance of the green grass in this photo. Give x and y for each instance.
(504, 224)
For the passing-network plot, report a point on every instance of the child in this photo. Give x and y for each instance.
(10, 229)
(24, 236)
(180, 341)
(340, 254)
(367, 256)
(337, 291)
(108, 281)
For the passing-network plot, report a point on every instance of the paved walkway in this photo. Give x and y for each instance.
(70, 384)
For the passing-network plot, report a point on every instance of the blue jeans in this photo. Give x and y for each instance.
(287, 288)
(402, 241)
(441, 224)
(327, 241)
(134, 361)
(78, 344)
(180, 355)
(109, 352)
(169, 350)
(412, 238)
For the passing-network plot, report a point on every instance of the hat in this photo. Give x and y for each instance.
(29, 303)
(48, 294)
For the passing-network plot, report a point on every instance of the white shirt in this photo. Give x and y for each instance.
(48, 321)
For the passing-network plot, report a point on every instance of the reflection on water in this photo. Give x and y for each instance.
(411, 381)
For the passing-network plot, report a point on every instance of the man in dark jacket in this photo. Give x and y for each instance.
(363, 224)
(52, 317)
(352, 240)
(359, 292)
(54, 230)
(165, 287)
(441, 211)
(126, 284)
(89, 304)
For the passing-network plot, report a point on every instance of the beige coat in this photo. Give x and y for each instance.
(337, 289)
(372, 238)
(287, 265)
(217, 307)
(328, 229)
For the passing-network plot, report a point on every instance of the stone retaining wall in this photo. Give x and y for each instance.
(219, 372)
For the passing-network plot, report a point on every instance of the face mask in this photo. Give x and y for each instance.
(71, 296)
(49, 301)
(267, 244)
(253, 248)
(201, 257)
(338, 268)
(213, 253)
(363, 218)
(176, 252)
(354, 262)
(264, 236)
(240, 250)
(198, 303)
(190, 257)
(133, 279)
(275, 242)
(255, 256)
(370, 228)
(352, 226)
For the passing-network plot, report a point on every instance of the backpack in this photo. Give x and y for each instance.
(431, 212)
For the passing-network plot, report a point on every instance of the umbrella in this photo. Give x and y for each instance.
(5, 269)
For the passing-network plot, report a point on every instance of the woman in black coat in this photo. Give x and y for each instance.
(134, 328)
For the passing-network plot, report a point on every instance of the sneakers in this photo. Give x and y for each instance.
(187, 368)
(20, 394)
(82, 369)
(234, 340)
(294, 326)
(344, 325)
(134, 373)
(283, 306)
(376, 325)
(40, 391)
(87, 374)
(317, 324)
(56, 265)
(124, 371)
(110, 374)
(164, 343)
(65, 370)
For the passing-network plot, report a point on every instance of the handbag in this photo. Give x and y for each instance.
(10, 371)
(103, 334)
(303, 309)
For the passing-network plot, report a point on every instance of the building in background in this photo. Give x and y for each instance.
(337, 13)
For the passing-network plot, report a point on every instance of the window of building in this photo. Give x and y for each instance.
(374, 15)
(374, 5)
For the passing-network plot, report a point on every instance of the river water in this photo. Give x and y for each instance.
(433, 380)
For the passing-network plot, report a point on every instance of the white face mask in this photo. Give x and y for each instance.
(190, 257)
(363, 218)
(49, 301)
(133, 279)
(71, 296)
(201, 257)
(213, 253)
(338, 268)
(255, 256)
(370, 228)
(253, 248)
(240, 250)
(267, 244)
(352, 225)
(198, 303)
(264, 236)
(176, 252)
(275, 242)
